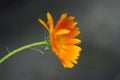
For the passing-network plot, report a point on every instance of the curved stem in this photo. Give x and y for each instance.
(21, 49)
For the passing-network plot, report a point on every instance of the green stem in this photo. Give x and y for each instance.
(21, 49)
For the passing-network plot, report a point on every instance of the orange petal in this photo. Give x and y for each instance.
(68, 55)
(66, 23)
(73, 51)
(62, 31)
(44, 24)
(72, 41)
(73, 33)
(62, 18)
(50, 21)
(65, 62)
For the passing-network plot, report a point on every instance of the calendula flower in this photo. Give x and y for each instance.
(63, 39)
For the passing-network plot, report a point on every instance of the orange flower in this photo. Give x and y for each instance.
(62, 39)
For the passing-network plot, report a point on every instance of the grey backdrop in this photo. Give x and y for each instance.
(99, 22)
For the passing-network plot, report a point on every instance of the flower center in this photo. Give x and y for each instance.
(59, 40)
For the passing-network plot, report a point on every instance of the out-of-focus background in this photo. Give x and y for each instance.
(99, 22)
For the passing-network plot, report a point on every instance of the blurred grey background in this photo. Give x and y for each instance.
(99, 22)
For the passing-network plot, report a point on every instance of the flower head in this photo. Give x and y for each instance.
(63, 39)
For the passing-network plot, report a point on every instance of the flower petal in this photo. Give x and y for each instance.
(73, 33)
(44, 24)
(50, 21)
(62, 18)
(68, 55)
(66, 23)
(72, 41)
(62, 31)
